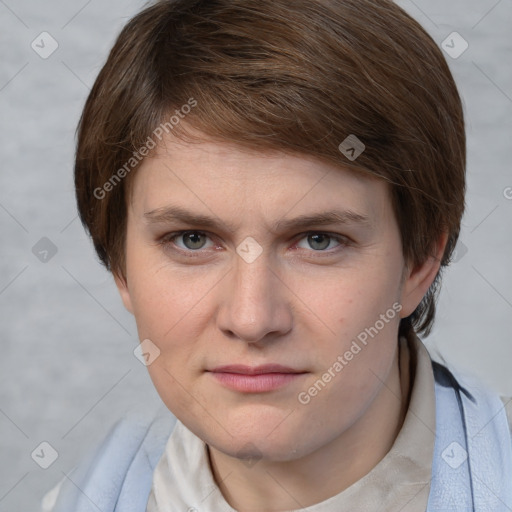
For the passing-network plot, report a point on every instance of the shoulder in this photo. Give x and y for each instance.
(474, 390)
(135, 440)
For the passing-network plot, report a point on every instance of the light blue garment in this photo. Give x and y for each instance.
(471, 471)
(469, 420)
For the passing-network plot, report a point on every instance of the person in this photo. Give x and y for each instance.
(277, 188)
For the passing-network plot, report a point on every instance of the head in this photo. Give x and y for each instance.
(238, 111)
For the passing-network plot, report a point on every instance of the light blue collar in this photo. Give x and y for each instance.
(472, 464)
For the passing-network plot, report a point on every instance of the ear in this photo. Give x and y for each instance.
(418, 280)
(122, 287)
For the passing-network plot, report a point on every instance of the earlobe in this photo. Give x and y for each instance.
(418, 279)
(122, 287)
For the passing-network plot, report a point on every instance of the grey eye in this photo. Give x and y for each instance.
(193, 239)
(319, 241)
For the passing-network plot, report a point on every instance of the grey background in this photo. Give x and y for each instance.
(67, 370)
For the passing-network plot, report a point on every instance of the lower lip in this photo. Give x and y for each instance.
(255, 383)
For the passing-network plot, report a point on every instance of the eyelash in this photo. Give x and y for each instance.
(167, 240)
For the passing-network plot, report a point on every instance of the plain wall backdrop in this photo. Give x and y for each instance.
(67, 370)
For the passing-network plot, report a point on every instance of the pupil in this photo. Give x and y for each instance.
(194, 239)
(317, 239)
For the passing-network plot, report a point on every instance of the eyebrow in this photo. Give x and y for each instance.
(169, 214)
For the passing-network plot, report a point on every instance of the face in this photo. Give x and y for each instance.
(251, 259)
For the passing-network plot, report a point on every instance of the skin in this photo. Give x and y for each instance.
(300, 303)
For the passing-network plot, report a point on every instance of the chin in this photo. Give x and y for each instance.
(254, 448)
(254, 439)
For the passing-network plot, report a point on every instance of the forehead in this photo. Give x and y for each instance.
(222, 176)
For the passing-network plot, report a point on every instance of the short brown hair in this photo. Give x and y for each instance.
(296, 76)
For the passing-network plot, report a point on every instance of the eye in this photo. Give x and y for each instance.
(319, 241)
(190, 240)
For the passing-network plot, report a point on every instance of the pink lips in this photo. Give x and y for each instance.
(255, 379)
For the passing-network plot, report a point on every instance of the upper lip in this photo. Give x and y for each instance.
(254, 370)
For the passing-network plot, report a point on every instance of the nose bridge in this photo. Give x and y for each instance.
(254, 305)
(252, 280)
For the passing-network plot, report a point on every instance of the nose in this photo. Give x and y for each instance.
(255, 306)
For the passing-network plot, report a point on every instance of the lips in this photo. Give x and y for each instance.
(255, 379)
(254, 370)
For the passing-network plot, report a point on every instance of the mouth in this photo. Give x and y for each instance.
(255, 379)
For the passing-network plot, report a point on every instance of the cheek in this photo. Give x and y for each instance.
(346, 301)
(350, 376)
(165, 299)
(355, 325)
(170, 310)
